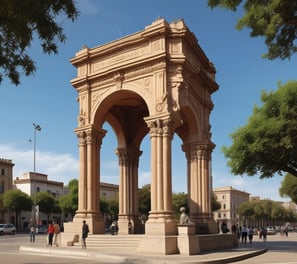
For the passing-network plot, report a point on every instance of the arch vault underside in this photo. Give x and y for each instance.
(158, 82)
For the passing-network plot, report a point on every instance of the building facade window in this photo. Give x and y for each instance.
(2, 184)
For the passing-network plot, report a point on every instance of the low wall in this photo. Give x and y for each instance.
(212, 242)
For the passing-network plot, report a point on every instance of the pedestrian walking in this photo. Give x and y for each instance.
(264, 233)
(244, 232)
(224, 228)
(84, 235)
(32, 232)
(238, 230)
(114, 228)
(233, 229)
(286, 230)
(56, 234)
(250, 234)
(51, 232)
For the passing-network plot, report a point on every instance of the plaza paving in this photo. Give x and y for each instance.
(124, 255)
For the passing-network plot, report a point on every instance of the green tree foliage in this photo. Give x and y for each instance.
(265, 210)
(268, 143)
(215, 204)
(20, 22)
(104, 206)
(110, 207)
(179, 200)
(17, 201)
(275, 20)
(114, 208)
(278, 212)
(47, 203)
(69, 203)
(144, 198)
(289, 187)
(247, 210)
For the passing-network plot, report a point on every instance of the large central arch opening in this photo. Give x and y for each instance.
(124, 111)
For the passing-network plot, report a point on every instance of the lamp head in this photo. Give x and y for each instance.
(37, 127)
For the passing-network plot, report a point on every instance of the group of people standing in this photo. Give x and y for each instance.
(53, 231)
(243, 232)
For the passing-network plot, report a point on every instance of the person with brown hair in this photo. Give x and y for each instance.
(56, 234)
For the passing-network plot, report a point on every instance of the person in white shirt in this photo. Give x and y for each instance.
(250, 234)
(244, 231)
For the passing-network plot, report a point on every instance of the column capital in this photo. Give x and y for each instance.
(163, 125)
(197, 150)
(128, 155)
(89, 133)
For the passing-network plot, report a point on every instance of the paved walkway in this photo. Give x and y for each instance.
(125, 256)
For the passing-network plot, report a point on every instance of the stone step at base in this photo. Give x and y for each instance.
(106, 241)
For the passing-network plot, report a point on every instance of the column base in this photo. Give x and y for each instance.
(94, 220)
(161, 223)
(164, 245)
(161, 228)
(137, 227)
(187, 241)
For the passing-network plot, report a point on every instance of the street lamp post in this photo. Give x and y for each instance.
(36, 128)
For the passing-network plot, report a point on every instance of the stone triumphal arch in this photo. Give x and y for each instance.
(159, 82)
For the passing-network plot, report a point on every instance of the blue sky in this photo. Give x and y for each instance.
(48, 99)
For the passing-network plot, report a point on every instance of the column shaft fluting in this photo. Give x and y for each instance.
(198, 156)
(82, 172)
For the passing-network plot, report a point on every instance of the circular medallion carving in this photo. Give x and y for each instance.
(159, 107)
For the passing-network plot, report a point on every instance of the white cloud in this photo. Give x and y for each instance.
(58, 167)
(144, 178)
(109, 165)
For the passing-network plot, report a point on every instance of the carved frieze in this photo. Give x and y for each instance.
(124, 57)
(82, 70)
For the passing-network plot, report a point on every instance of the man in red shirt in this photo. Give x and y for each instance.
(51, 232)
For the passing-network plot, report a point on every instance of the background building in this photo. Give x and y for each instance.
(32, 183)
(6, 175)
(108, 191)
(230, 199)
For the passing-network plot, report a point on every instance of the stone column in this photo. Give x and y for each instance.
(83, 173)
(128, 191)
(199, 184)
(161, 227)
(161, 183)
(90, 139)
